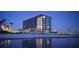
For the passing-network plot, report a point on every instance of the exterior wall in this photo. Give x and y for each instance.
(42, 22)
(30, 23)
(39, 23)
(47, 21)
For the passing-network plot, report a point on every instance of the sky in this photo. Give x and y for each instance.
(61, 20)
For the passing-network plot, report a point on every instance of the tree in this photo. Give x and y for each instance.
(2, 21)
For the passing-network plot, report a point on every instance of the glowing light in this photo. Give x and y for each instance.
(43, 17)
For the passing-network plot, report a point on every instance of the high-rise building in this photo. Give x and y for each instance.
(40, 23)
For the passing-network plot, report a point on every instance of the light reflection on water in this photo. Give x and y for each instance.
(41, 43)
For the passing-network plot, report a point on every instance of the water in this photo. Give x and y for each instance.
(41, 43)
(65, 42)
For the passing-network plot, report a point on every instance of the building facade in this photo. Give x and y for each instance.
(40, 23)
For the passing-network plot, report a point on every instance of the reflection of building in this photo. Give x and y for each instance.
(40, 23)
(29, 43)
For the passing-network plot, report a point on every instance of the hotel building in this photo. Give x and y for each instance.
(40, 23)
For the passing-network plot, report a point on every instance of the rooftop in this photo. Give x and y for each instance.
(38, 16)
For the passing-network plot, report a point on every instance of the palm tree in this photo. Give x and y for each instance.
(2, 21)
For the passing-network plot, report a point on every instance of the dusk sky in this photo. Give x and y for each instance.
(61, 20)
